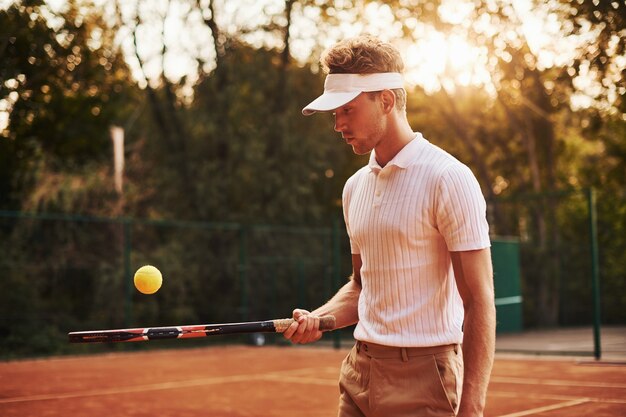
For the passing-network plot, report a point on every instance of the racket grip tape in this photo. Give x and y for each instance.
(326, 323)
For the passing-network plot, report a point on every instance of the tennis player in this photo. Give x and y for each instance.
(422, 282)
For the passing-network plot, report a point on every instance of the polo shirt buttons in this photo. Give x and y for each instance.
(381, 180)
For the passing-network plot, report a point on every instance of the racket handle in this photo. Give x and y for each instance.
(326, 323)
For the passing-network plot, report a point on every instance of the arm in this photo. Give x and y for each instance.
(474, 278)
(343, 305)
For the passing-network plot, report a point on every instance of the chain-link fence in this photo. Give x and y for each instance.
(572, 248)
(62, 273)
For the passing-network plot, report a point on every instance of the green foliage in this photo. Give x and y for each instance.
(602, 57)
(55, 275)
(67, 273)
(64, 92)
(234, 147)
(246, 160)
(607, 171)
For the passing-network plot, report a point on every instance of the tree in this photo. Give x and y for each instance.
(64, 85)
(600, 57)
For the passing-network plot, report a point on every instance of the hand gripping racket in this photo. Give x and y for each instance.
(185, 332)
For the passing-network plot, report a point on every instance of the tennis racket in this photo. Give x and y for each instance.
(144, 334)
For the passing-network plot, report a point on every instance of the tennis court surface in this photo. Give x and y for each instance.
(272, 381)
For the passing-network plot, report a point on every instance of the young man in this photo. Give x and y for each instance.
(422, 282)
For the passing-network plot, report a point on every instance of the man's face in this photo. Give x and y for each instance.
(360, 123)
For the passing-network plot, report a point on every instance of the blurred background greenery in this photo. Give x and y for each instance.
(530, 94)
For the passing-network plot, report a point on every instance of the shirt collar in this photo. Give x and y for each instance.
(402, 159)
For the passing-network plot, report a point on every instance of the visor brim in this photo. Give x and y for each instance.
(330, 100)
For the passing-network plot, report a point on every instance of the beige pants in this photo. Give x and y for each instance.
(383, 381)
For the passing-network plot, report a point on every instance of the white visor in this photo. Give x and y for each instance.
(340, 89)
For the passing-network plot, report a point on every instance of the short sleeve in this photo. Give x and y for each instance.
(461, 210)
(345, 200)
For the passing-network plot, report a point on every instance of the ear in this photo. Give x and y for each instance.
(388, 100)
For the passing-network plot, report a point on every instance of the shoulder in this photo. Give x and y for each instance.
(446, 175)
(457, 172)
(438, 164)
(355, 178)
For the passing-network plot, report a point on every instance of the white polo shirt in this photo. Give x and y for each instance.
(403, 220)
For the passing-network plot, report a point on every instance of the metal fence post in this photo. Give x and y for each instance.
(595, 274)
(243, 271)
(300, 282)
(128, 279)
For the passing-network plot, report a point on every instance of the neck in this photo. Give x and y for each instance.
(397, 135)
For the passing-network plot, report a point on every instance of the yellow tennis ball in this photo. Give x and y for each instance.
(148, 279)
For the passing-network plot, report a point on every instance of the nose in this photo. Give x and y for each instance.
(339, 123)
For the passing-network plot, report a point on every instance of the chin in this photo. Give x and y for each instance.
(360, 151)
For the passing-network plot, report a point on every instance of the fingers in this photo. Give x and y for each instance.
(304, 329)
(297, 313)
(308, 330)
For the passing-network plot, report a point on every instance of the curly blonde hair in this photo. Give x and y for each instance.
(365, 55)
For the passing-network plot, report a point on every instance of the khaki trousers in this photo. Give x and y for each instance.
(384, 381)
